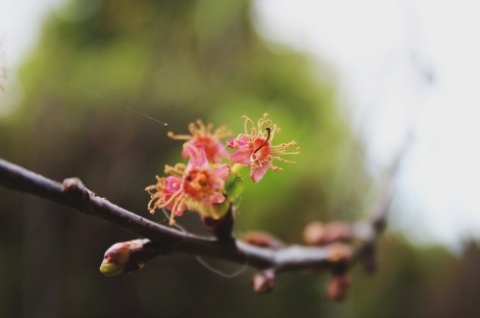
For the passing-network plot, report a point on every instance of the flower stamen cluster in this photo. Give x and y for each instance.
(195, 186)
(200, 185)
(202, 137)
(254, 148)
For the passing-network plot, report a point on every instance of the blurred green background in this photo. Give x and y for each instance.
(99, 63)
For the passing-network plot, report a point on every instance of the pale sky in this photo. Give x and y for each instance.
(400, 64)
(404, 63)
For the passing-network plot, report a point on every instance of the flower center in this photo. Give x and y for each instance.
(196, 184)
(262, 146)
(266, 140)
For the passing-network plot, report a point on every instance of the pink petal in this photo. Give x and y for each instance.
(214, 149)
(222, 172)
(219, 175)
(231, 143)
(241, 156)
(238, 142)
(213, 198)
(197, 156)
(173, 184)
(258, 173)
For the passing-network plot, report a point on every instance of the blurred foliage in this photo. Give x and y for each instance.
(96, 66)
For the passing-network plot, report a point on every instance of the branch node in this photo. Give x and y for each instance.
(222, 228)
(75, 190)
(341, 258)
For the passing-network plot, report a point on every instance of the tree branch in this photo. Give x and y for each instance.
(74, 194)
(345, 248)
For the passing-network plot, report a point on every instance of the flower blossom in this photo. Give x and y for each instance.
(202, 137)
(196, 186)
(254, 148)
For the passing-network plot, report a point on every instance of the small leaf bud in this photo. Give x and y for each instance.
(264, 282)
(337, 287)
(126, 257)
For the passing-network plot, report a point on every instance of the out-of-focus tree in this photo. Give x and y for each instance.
(175, 61)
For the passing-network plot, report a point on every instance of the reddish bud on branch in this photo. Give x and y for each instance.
(262, 240)
(264, 282)
(318, 233)
(337, 287)
(125, 257)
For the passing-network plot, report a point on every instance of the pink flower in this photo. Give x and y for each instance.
(196, 186)
(254, 148)
(201, 137)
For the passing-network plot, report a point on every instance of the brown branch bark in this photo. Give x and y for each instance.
(72, 193)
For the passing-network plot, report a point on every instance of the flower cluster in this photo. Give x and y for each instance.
(205, 184)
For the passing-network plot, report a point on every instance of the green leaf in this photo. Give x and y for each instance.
(234, 186)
